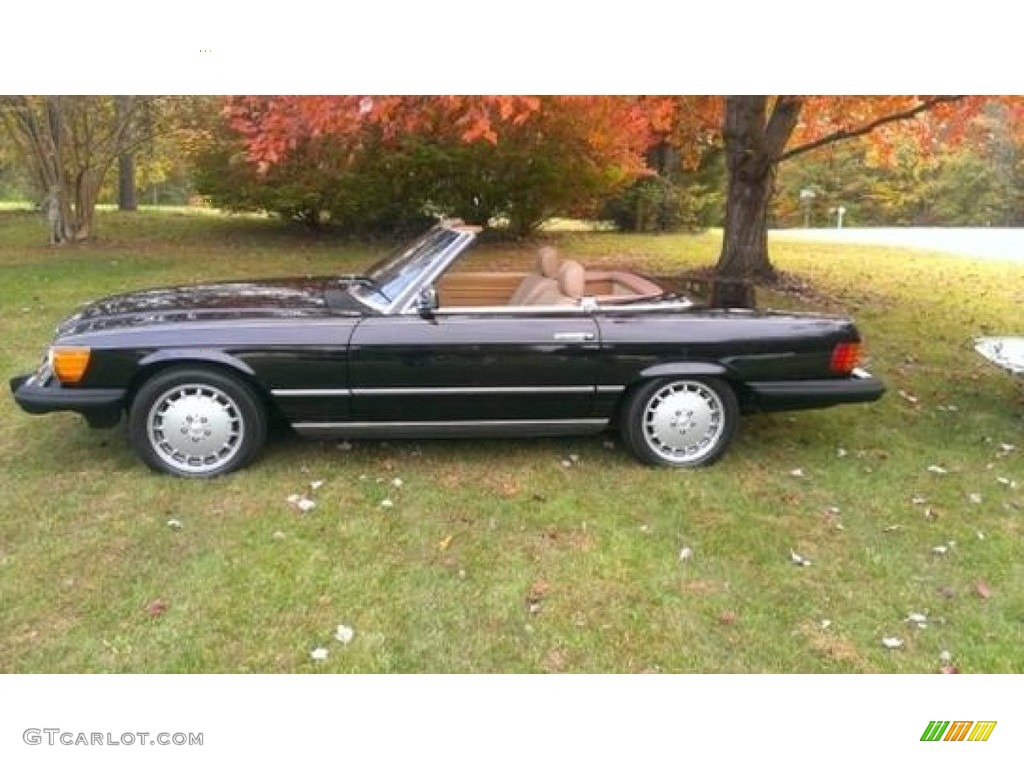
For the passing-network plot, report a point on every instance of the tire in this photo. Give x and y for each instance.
(680, 422)
(196, 422)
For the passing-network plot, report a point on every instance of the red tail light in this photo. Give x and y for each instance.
(845, 357)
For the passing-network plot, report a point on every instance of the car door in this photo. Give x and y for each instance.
(473, 366)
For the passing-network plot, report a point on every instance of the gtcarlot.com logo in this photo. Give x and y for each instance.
(57, 736)
(958, 730)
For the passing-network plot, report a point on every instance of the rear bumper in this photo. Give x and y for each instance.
(101, 407)
(859, 387)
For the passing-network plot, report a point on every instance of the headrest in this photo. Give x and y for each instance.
(572, 279)
(548, 261)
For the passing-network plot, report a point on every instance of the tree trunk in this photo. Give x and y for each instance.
(125, 160)
(745, 243)
(126, 183)
(754, 143)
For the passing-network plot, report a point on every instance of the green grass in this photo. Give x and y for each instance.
(441, 581)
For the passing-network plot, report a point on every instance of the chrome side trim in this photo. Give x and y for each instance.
(610, 389)
(459, 423)
(440, 429)
(311, 392)
(377, 391)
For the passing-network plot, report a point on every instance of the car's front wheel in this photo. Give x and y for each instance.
(684, 422)
(196, 422)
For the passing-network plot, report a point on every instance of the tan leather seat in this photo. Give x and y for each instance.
(568, 289)
(535, 285)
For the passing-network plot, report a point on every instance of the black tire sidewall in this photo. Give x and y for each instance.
(253, 417)
(631, 426)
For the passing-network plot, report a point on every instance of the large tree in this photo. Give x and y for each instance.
(70, 143)
(758, 133)
(520, 158)
(761, 131)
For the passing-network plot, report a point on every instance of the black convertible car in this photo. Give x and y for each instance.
(416, 349)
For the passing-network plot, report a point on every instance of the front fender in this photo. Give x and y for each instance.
(195, 355)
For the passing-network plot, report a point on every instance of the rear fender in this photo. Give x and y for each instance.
(684, 368)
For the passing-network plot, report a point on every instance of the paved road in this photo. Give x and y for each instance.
(996, 243)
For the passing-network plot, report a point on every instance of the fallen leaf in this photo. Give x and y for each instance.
(305, 505)
(945, 657)
(536, 593)
(294, 498)
(980, 535)
(344, 634)
(796, 473)
(798, 559)
(918, 500)
(891, 528)
(316, 485)
(174, 525)
(974, 498)
(940, 550)
(156, 608)
(444, 543)
(982, 589)
(824, 623)
(947, 592)
(892, 643)
(935, 469)
(930, 514)
(279, 536)
(387, 504)
(919, 620)
(398, 482)
(685, 554)
(727, 618)
(908, 397)
(318, 654)
(841, 453)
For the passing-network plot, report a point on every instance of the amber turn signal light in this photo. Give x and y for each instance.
(845, 357)
(69, 363)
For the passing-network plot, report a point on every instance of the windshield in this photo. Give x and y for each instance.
(393, 274)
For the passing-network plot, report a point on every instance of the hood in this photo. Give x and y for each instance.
(280, 297)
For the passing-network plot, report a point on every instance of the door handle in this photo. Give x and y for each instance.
(574, 336)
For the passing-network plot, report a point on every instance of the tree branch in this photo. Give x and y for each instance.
(783, 120)
(924, 106)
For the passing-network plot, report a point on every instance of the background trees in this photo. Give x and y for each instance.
(649, 163)
(68, 144)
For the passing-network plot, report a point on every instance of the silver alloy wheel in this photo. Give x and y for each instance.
(683, 421)
(195, 428)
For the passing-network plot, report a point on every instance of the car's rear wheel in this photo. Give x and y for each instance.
(683, 422)
(196, 422)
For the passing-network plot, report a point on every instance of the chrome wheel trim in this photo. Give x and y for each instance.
(195, 428)
(683, 421)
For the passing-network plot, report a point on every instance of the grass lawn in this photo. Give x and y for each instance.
(443, 580)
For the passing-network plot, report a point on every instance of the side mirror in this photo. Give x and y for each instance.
(426, 301)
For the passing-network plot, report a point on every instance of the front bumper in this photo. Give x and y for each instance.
(859, 387)
(38, 393)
